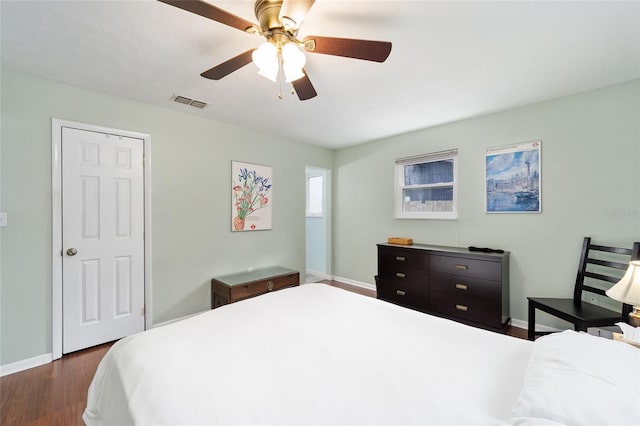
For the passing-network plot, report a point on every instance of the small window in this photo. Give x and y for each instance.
(426, 186)
(315, 195)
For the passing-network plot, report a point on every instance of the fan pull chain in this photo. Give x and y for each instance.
(280, 74)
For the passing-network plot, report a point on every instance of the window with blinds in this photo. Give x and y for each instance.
(426, 186)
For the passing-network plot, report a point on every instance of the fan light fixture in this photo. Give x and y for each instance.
(282, 58)
(271, 59)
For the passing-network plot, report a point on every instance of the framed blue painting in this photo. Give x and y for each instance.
(512, 178)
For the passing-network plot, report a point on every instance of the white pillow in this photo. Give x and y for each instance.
(578, 379)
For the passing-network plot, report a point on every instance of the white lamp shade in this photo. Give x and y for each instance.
(293, 60)
(266, 59)
(627, 290)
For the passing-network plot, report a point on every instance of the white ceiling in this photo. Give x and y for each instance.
(450, 59)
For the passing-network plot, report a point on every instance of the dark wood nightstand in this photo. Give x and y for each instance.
(235, 287)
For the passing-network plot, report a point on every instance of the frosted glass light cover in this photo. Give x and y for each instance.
(293, 60)
(266, 59)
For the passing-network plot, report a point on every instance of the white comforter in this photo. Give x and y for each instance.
(312, 354)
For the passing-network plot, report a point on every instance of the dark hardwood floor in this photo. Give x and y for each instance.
(52, 394)
(56, 393)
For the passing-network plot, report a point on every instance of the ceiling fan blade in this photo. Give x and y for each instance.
(227, 67)
(296, 10)
(210, 11)
(303, 87)
(368, 50)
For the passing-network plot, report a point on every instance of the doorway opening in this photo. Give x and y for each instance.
(318, 224)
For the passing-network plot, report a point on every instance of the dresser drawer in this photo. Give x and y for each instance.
(264, 286)
(410, 277)
(467, 308)
(406, 293)
(459, 285)
(485, 269)
(389, 257)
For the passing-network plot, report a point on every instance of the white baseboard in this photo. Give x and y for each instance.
(160, 324)
(355, 283)
(25, 364)
(324, 276)
(519, 323)
(319, 275)
(525, 324)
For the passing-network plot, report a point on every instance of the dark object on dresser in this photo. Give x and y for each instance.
(235, 287)
(576, 311)
(452, 282)
(485, 249)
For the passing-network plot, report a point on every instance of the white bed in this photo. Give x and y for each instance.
(315, 354)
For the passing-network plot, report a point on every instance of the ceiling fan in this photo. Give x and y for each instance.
(282, 56)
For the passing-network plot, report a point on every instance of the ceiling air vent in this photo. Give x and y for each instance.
(197, 104)
(189, 101)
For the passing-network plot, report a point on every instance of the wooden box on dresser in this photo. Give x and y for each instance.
(452, 282)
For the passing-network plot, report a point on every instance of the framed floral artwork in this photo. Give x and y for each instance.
(251, 202)
(512, 178)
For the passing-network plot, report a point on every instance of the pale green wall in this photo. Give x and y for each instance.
(590, 187)
(191, 163)
(590, 158)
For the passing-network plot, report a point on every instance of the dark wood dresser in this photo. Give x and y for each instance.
(452, 282)
(234, 287)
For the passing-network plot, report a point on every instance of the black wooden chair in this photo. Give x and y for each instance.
(606, 269)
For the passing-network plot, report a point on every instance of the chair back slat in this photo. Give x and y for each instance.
(609, 267)
(610, 264)
(601, 277)
(595, 290)
(617, 250)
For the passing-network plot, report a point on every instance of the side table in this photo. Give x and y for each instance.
(232, 288)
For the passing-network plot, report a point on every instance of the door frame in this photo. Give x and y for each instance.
(56, 222)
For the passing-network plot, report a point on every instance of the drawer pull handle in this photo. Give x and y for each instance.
(400, 258)
(462, 308)
(462, 267)
(269, 285)
(461, 286)
(400, 293)
(400, 275)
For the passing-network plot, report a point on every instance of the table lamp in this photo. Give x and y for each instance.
(627, 290)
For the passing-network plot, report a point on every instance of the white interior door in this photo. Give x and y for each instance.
(102, 237)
